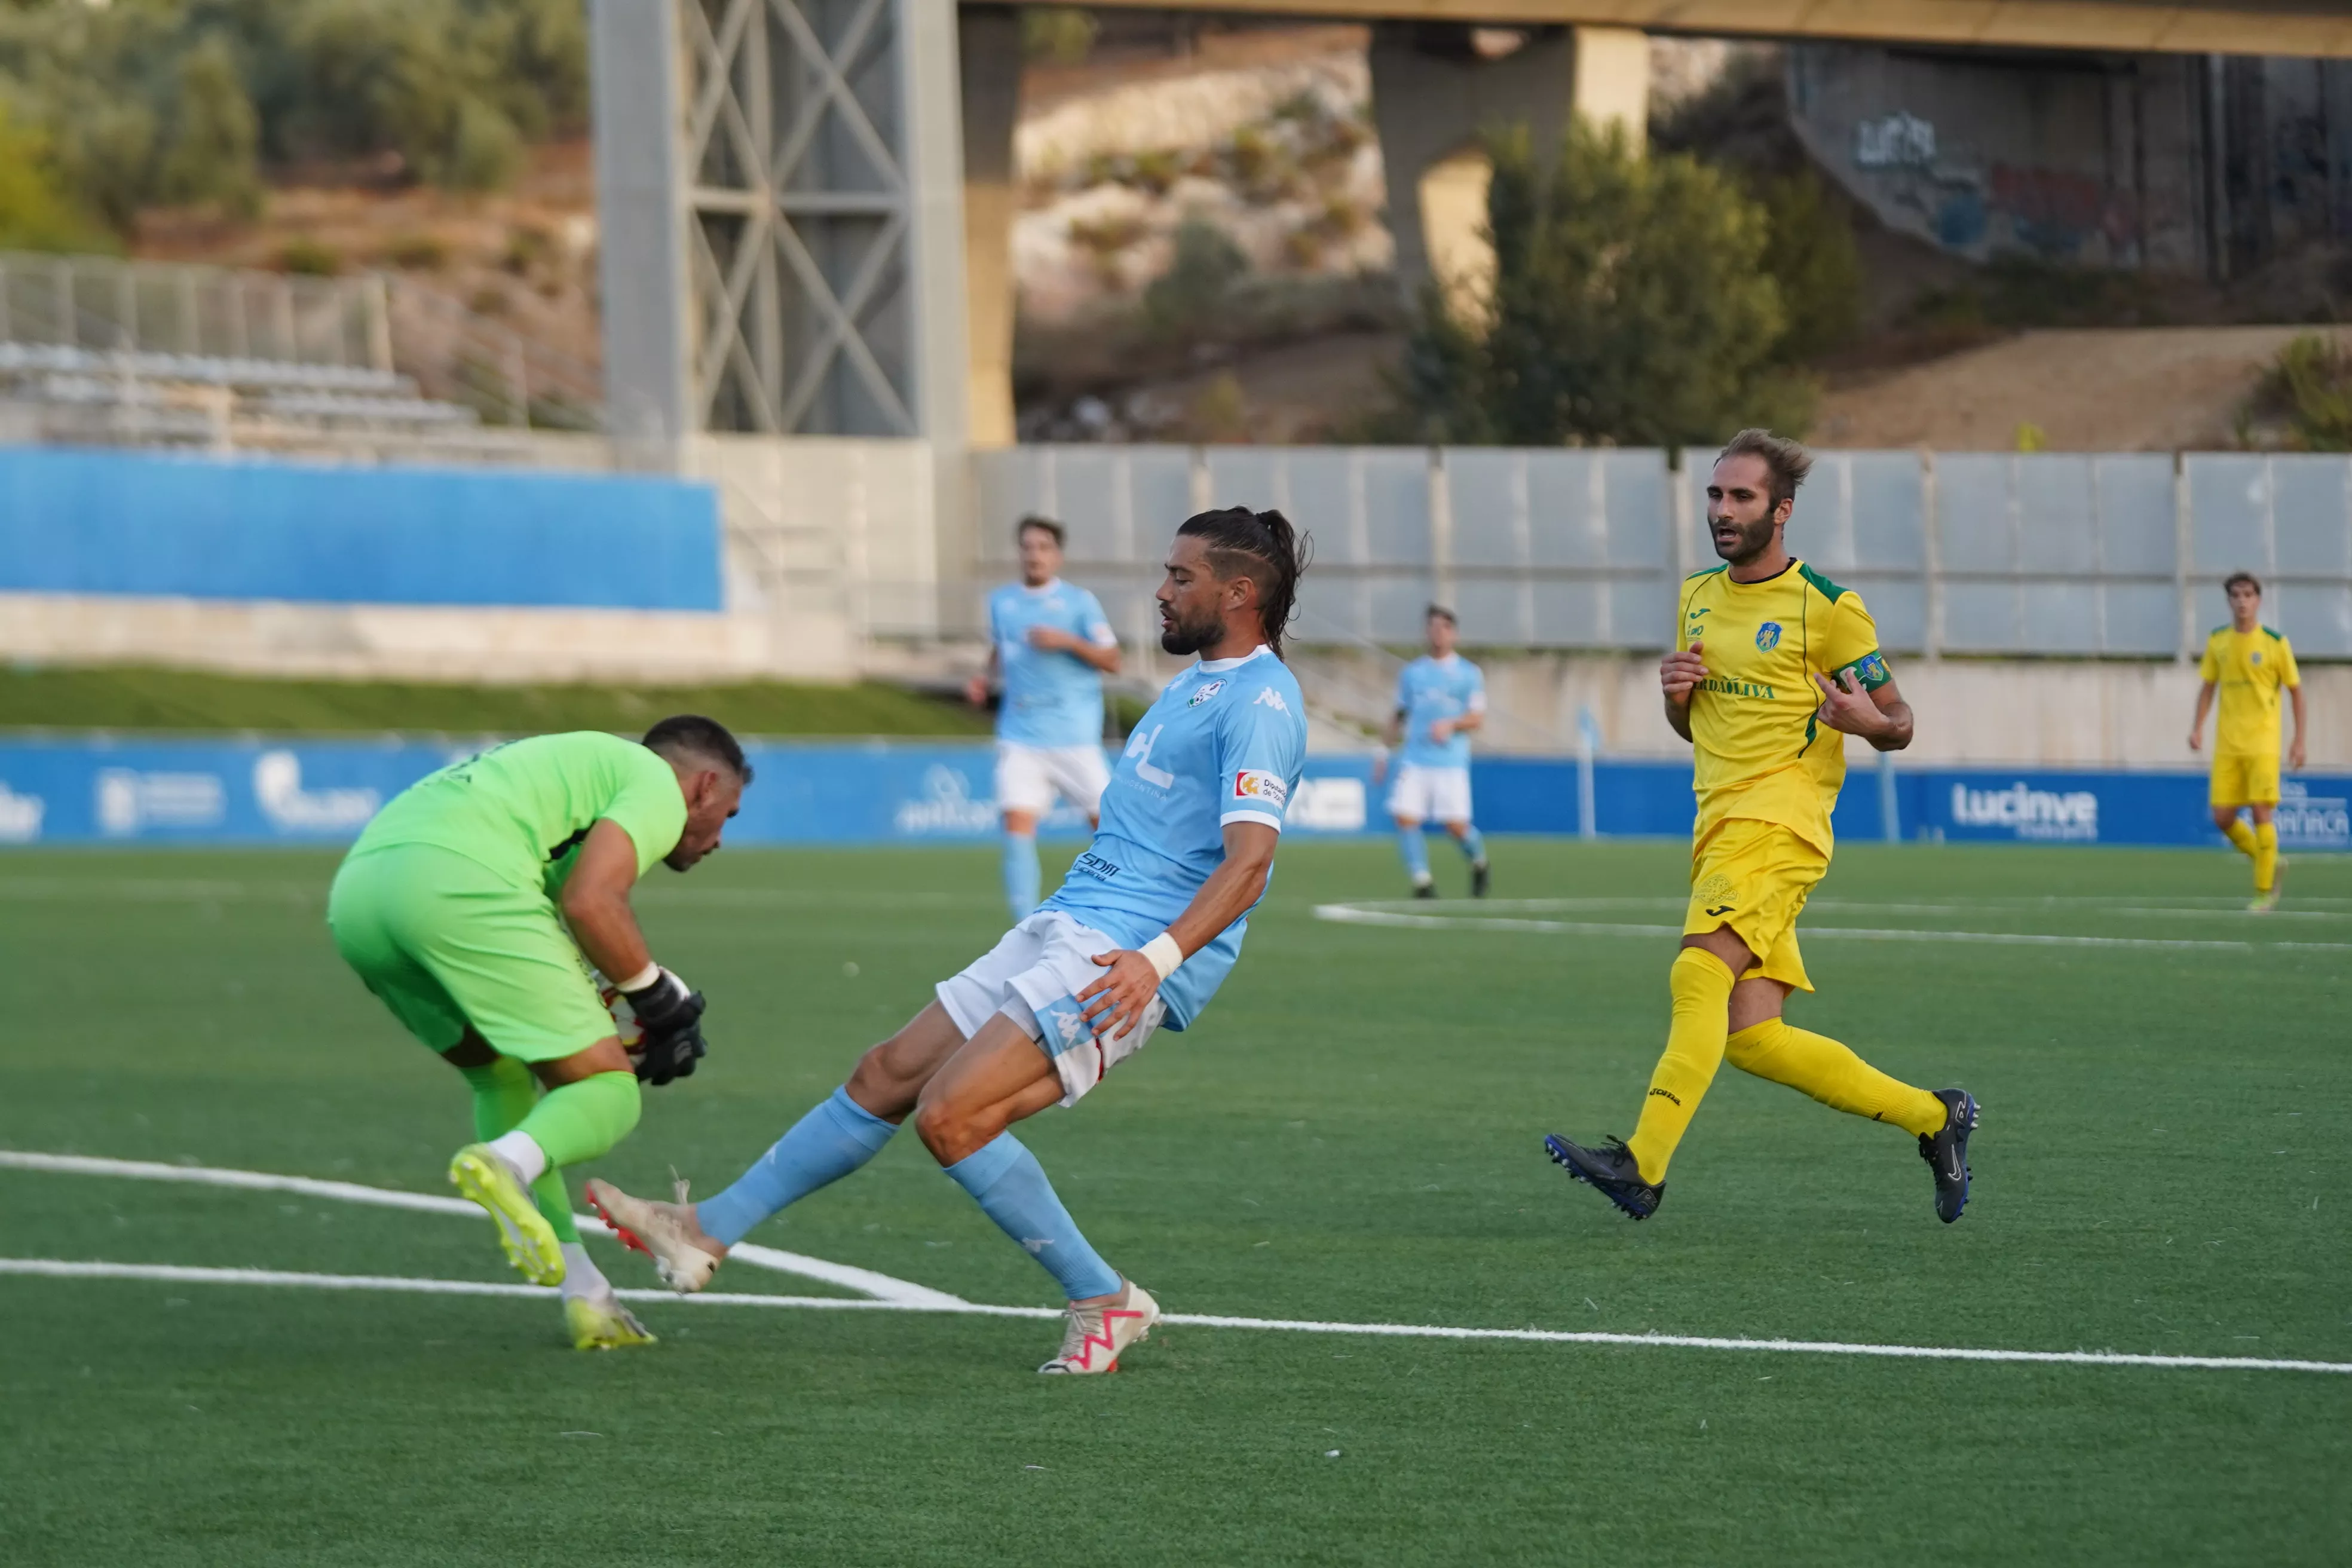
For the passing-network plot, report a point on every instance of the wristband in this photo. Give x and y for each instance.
(1163, 953)
(640, 979)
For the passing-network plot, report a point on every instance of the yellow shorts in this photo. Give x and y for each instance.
(2243, 778)
(1754, 878)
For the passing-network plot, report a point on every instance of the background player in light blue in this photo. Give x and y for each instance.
(1143, 932)
(1441, 698)
(1051, 644)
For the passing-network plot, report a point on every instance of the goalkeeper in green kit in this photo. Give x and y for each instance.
(473, 907)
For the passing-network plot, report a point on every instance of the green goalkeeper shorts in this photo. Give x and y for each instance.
(445, 941)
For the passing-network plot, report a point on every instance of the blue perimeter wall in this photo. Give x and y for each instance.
(205, 528)
(92, 791)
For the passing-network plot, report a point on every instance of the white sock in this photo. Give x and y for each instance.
(523, 1152)
(580, 1275)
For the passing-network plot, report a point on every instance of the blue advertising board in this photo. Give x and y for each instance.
(212, 528)
(99, 790)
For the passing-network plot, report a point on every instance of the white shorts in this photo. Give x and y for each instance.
(1028, 778)
(1421, 793)
(1033, 976)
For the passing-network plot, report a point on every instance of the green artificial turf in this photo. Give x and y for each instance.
(1350, 1133)
(131, 697)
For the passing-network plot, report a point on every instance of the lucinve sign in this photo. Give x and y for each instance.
(2031, 813)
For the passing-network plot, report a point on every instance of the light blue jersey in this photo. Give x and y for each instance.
(1225, 743)
(1429, 689)
(1051, 698)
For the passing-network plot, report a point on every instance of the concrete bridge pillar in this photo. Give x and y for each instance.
(1436, 87)
(989, 44)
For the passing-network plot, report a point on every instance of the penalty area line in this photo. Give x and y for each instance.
(175, 1274)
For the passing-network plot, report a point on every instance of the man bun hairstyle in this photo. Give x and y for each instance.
(1262, 547)
(1060, 537)
(2248, 578)
(689, 738)
(1785, 460)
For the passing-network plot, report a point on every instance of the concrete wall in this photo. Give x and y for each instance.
(824, 543)
(1438, 86)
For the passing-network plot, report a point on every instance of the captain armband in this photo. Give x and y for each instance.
(1869, 671)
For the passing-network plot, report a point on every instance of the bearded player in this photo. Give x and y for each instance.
(1143, 932)
(473, 905)
(1773, 666)
(2248, 664)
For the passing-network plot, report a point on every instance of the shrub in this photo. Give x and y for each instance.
(2308, 387)
(1202, 269)
(307, 258)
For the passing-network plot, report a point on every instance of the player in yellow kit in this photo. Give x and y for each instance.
(2249, 664)
(1773, 666)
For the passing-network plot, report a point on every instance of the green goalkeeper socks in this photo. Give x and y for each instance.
(504, 1093)
(582, 1119)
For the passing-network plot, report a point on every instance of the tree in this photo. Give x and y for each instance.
(34, 213)
(214, 135)
(1632, 304)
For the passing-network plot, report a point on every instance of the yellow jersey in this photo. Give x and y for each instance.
(2250, 667)
(1759, 753)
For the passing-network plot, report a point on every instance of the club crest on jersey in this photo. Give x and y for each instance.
(1251, 785)
(1206, 693)
(1768, 635)
(2257, 655)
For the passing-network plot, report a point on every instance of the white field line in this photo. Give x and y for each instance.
(880, 1285)
(177, 1275)
(1359, 914)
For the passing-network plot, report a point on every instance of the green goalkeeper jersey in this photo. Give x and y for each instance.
(521, 809)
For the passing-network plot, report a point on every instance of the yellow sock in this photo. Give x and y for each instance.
(1834, 1075)
(1702, 988)
(2266, 857)
(2239, 834)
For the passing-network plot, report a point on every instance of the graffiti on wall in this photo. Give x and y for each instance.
(2060, 215)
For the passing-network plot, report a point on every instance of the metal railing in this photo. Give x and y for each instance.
(162, 312)
(2040, 554)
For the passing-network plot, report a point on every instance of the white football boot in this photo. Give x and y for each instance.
(1094, 1336)
(669, 1233)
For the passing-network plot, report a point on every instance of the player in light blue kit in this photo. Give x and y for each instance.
(1050, 644)
(1142, 933)
(1441, 698)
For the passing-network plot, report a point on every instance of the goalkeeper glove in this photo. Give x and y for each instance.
(672, 1018)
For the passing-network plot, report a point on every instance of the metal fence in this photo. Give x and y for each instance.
(2030, 554)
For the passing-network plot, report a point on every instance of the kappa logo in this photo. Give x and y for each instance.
(1206, 693)
(1267, 697)
(1768, 635)
(1251, 785)
(1072, 1028)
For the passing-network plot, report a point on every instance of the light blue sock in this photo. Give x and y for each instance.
(1011, 1188)
(1415, 853)
(1473, 846)
(1021, 874)
(834, 1139)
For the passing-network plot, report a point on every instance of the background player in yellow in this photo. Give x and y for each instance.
(2248, 663)
(1773, 666)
